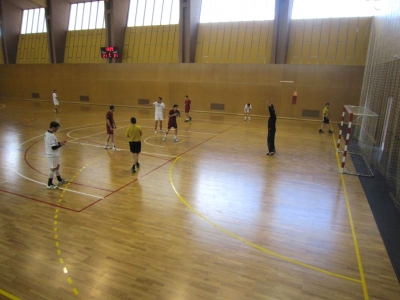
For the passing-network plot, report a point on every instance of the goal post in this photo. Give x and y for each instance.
(358, 129)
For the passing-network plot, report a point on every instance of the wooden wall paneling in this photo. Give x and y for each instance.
(220, 73)
(333, 42)
(199, 44)
(263, 43)
(232, 96)
(324, 42)
(194, 92)
(159, 41)
(175, 50)
(262, 74)
(287, 109)
(255, 43)
(298, 41)
(212, 42)
(305, 53)
(340, 53)
(153, 44)
(249, 72)
(305, 76)
(184, 70)
(319, 97)
(305, 96)
(315, 43)
(173, 72)
(136, 44)
(142, 41)
(207, 72)
(275, 74)
(351, 42)
(147, 43)
(226, 42)
(241, 42)
(220, 43)
(235, 73)
(248, 41)
(206, 43)
(81, 37)
(269, 41)
(233, 42)
(360, 53)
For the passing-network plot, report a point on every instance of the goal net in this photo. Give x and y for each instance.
(358, 128)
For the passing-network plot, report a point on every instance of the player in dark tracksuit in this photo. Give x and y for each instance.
(271, 130)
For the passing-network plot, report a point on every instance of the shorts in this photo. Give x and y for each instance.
(172, 124)
(110, 130)
(135, 147)
(53, 161)
(187, 109)
(56, 102)
(159, 117)
(325, 121)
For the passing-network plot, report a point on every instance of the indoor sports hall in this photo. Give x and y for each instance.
(210, 215)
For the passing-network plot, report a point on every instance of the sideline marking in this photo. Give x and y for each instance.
(8, 295)
(227, 232)
(353, 232)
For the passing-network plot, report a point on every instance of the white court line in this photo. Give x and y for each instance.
(149, 153)
(73, 191)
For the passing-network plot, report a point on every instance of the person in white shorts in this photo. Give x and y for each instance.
(55, 101)
(247, 111)
(159, 113)
(53, 155)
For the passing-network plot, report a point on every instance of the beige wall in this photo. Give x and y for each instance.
(33, 49)
(231, 84)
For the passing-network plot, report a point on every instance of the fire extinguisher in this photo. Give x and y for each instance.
(294, 97)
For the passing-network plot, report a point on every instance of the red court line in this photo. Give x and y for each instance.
(27, 162)
(158, 167)
(41, 201)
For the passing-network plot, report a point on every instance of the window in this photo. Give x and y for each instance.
(153, 12)
(88, 15)
(236, 10)
(318, 9)
(33, 21)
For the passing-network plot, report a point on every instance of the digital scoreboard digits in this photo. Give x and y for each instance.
(109, 52)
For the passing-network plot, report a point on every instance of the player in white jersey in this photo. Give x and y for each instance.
(159, 113)
(55, 101)
(53, 154)
(247, 111)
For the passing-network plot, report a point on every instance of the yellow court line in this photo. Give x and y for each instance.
(227, 232)
(353, 232)
(8, 295)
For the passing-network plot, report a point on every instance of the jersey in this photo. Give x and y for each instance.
(247, 108)
(187, 104)
(159, 108)
(110, 117)
(134, 132)
(325, 112)
(50, 140)
(55, 100)
(172, 119)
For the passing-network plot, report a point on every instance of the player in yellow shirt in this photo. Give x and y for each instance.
(134, 132)
(325, 121)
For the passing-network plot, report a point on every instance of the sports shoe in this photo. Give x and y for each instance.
(273, 151)
(55, 110)
(107, 147)
(162, 130)
(270, 153)
(330, 131)
(176, 140)
(133, 169)
(186, 120)
(320, 131)
(190, 118)
(137, 165)
(249, 119)
(164, 138)
(245, 119)
(155, 132)
(114, 148)
(52, 187)
(63, 181)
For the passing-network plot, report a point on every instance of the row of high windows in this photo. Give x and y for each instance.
(90, 15)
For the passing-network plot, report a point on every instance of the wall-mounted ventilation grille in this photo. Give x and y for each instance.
(84, 98)
(310, 113)
(143, 101)
(217, 106)
(35, 96)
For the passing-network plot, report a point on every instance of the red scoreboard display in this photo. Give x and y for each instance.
(109, 52)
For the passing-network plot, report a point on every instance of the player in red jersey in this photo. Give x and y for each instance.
(187, 108)
(173, 113)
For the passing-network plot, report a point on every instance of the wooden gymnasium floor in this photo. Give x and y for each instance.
(210, 217)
